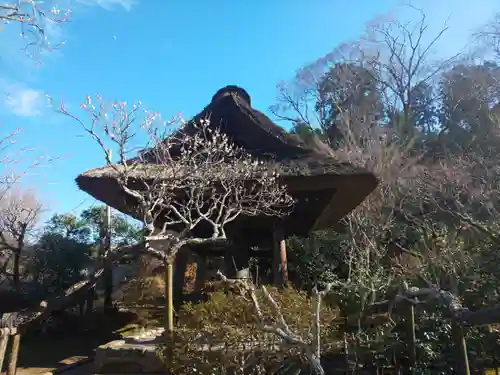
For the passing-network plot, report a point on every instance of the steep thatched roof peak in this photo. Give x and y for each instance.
(235, 90)
(231, 111)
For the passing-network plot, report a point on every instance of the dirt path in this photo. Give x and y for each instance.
(78, 370)
(37, 358)
(83, 369)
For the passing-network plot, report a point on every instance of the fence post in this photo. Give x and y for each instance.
(14, 352)
(4, 340)
(411, 350)
(461, 356)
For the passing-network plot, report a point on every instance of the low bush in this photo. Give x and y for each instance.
(227, 327)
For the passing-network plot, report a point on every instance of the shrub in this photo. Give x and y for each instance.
(319, 258)
(228, 318)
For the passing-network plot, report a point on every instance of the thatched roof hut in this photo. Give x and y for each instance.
(326, 189)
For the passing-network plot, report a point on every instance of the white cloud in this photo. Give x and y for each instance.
(23, 101)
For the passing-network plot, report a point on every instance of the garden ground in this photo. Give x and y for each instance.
(51, 352)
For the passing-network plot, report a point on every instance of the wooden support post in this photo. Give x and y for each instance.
(108, 266)
(411, 350)
(105, 248)
(169, 312)
(201, 273)
(4, 340)
(461, 356)
(169, 306)
(280, 267)
(14, 353)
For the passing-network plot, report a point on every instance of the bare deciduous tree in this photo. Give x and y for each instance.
(392, 58)
(489, 36)
(19, 215)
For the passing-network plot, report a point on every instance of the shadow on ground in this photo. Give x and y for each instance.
(71, 342)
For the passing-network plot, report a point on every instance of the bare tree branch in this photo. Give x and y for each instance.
(311, 346)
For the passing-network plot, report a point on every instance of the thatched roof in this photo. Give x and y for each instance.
(303, 169)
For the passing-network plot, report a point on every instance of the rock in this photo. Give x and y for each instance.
(132, 355)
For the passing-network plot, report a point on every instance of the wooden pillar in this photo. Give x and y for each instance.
(169, 312)
(14, 353)
(201, 273)
(410, 347)
(280, 267)
(461, 355)
(169, 296)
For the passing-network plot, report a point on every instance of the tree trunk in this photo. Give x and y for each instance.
(17, 257)
(108, 286)
(17, 265)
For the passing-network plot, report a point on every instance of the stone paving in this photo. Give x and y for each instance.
(133, 354)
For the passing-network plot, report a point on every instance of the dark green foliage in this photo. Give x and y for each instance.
(59, 261)
(317, 259)
(69, 243)
(69, 226)
(306, 132)
(347, 91)
(123, 232)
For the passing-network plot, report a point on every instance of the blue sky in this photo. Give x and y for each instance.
(173, 55)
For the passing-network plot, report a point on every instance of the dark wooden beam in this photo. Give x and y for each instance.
(484, 316)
